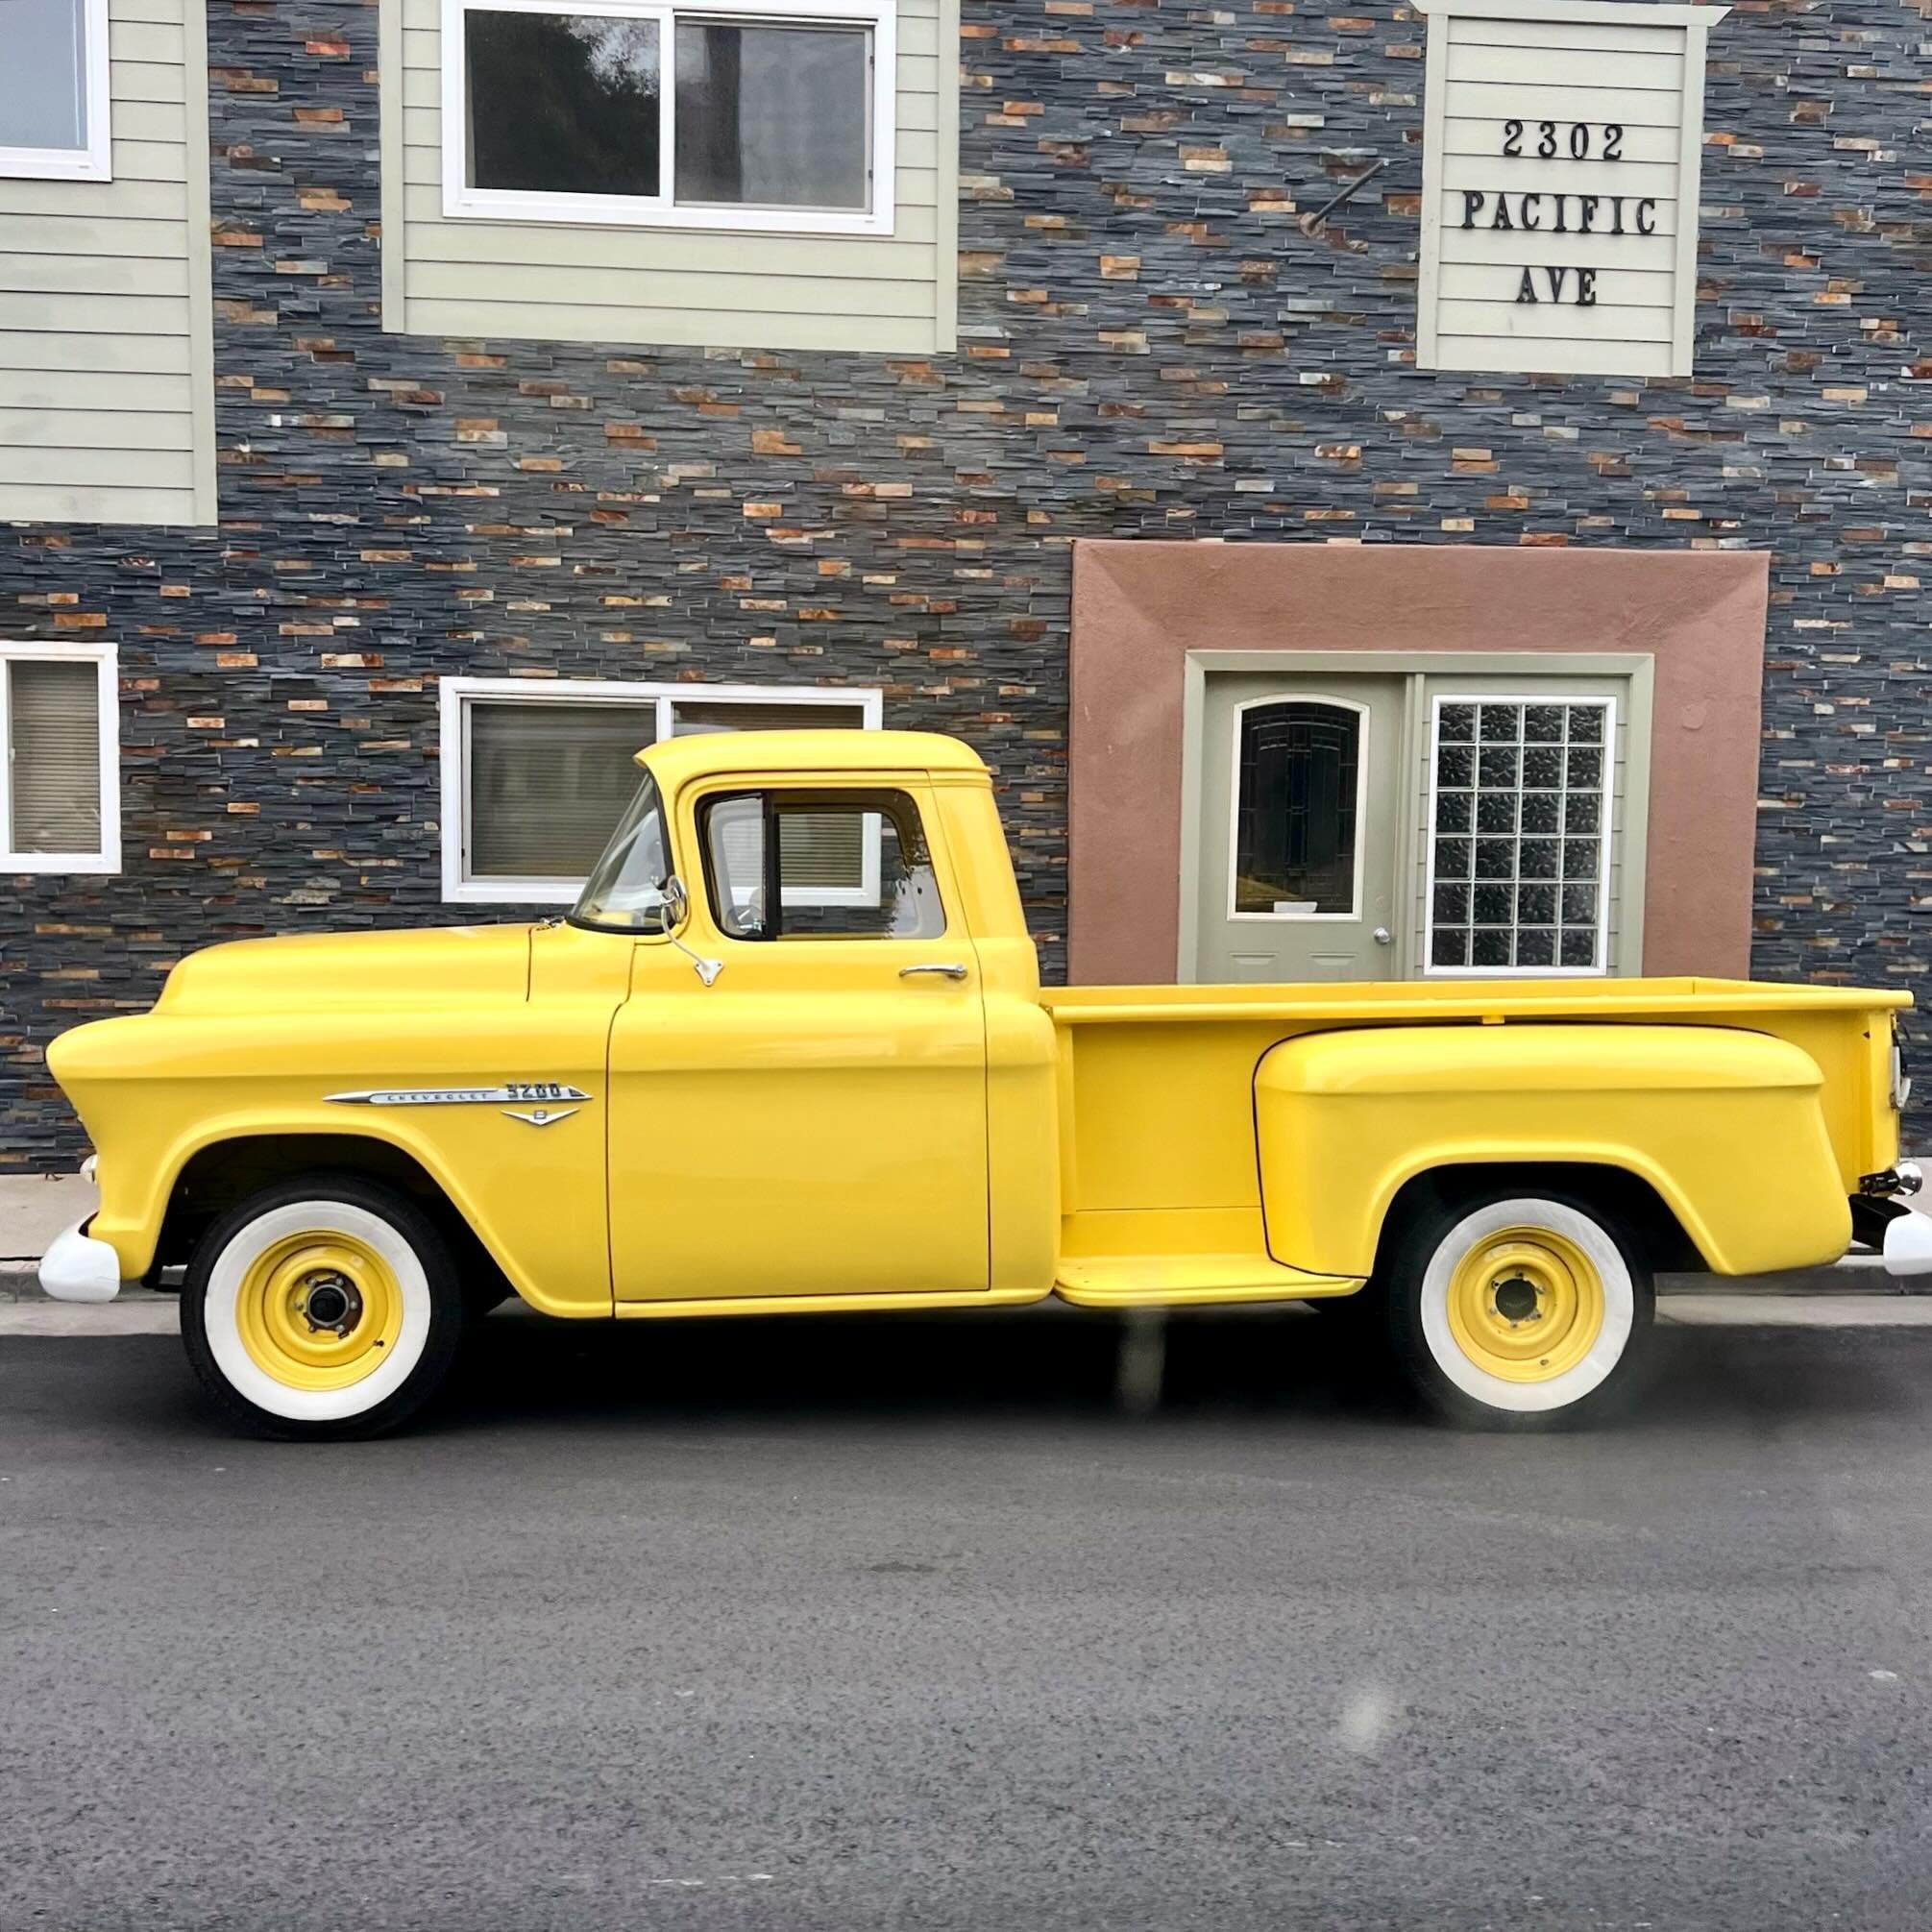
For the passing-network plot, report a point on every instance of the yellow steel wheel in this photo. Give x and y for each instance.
(1525, 1303)
(318, 1310)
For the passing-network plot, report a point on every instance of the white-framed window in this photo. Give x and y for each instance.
(776, 116)
(1520, 800)
(535, 774)
(54, 90)
(59, 721)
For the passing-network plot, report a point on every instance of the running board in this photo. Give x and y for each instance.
(1180, 1281)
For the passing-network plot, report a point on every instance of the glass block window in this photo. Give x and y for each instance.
(1518, 835)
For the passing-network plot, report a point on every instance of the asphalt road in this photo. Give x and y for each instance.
(904, 1624)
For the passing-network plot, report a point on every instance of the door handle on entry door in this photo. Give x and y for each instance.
(943, 971)
(1383, 937)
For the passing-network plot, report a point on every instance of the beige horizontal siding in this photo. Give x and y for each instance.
(107, 384)
(1549, 356)
(36, 392)
(92, 274)
(40, 354)
(677, 286)
(58, 313)
(698, 329)
(104, 427)
(95, 503)
(673, 251)
(144, 469)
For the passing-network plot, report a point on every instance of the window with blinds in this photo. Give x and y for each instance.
(544, 779)
(824, 852)
(56, 786)
(547, 783)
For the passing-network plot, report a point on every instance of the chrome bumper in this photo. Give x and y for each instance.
(78, 1269)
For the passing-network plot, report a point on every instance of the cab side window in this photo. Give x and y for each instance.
(818, 866)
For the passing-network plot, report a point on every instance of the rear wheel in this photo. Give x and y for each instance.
(1519, 1311)
(322, 1306)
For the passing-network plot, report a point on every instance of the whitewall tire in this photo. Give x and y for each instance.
(1518, 1310)
(324, 1306)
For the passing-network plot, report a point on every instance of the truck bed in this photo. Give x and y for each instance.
(1161, 1186)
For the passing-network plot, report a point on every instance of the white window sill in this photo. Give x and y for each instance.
(59, 862)
(616, 211)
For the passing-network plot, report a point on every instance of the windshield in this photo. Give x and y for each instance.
(624, 892)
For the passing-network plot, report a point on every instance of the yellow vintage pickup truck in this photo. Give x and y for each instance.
(790, 1053)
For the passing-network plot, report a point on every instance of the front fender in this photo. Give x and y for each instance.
(1727, 1126)
(156, 1091)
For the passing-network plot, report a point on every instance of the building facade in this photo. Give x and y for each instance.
(392, 437)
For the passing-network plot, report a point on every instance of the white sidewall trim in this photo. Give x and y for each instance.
(1620, 1306)
(224, 1330)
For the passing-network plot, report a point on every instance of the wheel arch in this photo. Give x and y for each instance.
(1628, 1197)
(226, 1170)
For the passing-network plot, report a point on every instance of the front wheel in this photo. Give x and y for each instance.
(322, 1307)
(1518, 1311)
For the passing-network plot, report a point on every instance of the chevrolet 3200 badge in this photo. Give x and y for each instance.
(790, 1053)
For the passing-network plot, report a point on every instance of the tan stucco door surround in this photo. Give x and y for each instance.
(1141, 611)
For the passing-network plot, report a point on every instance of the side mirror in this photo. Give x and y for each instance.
(677, 904)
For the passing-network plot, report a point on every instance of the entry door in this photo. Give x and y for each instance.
(813, 1120)
(1301, 784)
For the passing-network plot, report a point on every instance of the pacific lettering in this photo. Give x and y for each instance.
(1545, 210)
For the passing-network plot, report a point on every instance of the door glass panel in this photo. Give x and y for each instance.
(1526, 893)
(1298, 773)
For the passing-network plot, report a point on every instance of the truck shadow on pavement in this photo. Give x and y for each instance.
(1052, 1365)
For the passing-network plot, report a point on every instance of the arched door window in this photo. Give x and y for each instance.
(1298, 787)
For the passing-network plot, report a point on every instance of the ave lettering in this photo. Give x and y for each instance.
(1562, 285)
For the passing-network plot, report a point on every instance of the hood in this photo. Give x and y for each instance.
(433, 965)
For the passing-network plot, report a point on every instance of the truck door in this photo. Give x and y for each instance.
(813, 1121)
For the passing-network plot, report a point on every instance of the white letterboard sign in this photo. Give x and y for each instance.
(1559, 186)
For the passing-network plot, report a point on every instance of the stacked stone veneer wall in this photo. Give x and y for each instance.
(1149, 345)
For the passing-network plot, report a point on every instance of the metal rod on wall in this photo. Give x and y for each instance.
(1308, 223)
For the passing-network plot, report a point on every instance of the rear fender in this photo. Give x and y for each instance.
(1727, 1126)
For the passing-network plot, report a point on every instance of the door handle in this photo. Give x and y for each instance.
(943, 971)
(1383, 937)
